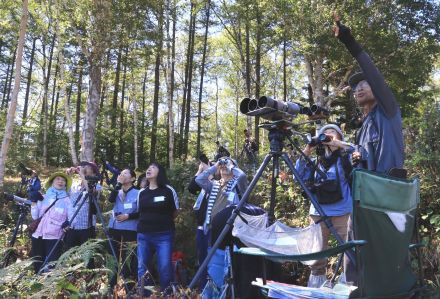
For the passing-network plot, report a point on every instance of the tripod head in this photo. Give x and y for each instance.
(92, 181)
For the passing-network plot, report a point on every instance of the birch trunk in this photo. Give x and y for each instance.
(9, 127)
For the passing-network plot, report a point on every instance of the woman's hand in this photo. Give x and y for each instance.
(122, 217)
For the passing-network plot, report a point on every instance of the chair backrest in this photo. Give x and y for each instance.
(384, 214)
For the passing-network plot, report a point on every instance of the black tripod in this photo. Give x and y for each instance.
(278, 132)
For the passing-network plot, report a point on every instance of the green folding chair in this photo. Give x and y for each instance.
(383, 223)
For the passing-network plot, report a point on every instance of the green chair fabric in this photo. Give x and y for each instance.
(384, 216)
(385, 193)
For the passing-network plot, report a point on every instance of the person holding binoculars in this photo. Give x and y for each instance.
(331, 187)
(227, 187)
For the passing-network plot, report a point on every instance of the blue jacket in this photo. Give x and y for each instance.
(125, 206)
(33, 187)
(342, 207)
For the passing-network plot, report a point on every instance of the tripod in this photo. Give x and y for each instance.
(278, 132)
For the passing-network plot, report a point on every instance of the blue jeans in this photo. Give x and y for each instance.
(163, 243)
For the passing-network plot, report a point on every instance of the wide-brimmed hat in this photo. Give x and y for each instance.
(355, 79)
(91, 164)
(61, 174)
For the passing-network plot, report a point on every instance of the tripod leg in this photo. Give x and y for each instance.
(230, 221)
(101, 219)
(109, 240)
(273, 190)
(317, 206)
(19, 224)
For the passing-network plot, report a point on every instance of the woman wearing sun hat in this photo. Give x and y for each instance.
(52, 210)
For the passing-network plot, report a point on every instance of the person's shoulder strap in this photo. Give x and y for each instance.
(51, 205)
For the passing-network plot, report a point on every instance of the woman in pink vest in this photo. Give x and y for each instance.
(53, 212)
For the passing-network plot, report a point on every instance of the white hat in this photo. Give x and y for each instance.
(334, 127)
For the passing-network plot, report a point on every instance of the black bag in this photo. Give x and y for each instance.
(193, 187)
(328, 191)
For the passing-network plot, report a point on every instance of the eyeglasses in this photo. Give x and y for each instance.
(361, 85)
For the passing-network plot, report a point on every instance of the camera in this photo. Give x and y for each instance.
(275, 110)
(318, 140)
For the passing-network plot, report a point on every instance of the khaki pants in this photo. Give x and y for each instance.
(340, 223)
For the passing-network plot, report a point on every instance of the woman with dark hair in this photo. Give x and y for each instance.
(157, 208)
(120, 227)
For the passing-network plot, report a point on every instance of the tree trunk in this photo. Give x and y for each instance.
(45, 100)
(5, 88)
(28, 84)
(9, 127)
(217, 127)
(135, 124)
(171, 54)
(95, 53)
(57, 98)
(121, 115)
(10, 79)
(68, 118)
(78, 101)
(88, 135)
(115, 106)
(248, 69)
(188, 94)
(144, 85)
(202, 73)
(284, 67)
(156, 88)
(104, 85)
(54, 89)
(257, 72)
(185, 84)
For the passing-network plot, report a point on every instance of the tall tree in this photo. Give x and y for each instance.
(10, 79)
(115, 105)
(169, 73)
(44, 108)
(157, 82)
(121, 115)
(202, 73)
(185, 84)
(80, 71)
(189, 89)
(28, 83)
(9, 127)
(94, 43)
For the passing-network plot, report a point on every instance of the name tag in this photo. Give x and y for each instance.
(128, 206)
(159, 198)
